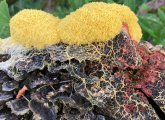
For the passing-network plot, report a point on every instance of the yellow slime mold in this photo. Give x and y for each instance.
(34, 28)
(98, 22)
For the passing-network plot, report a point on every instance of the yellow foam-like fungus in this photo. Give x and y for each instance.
(34, 28)
(87, 25)
(98, 22)
(129, 18)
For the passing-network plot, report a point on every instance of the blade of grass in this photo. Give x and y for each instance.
(4, 19)
(161, 15)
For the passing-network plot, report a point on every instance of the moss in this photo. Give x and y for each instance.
(98, 22)
(34, 28)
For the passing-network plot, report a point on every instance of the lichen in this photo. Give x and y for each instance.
(1, 41)
(1, 44)
(84, 82)
(34, 28)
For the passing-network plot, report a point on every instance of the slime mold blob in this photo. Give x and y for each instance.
(34, 28)
(90, 65)
(98, 22)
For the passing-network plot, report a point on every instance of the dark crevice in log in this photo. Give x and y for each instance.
(4, 57)
(155, 106)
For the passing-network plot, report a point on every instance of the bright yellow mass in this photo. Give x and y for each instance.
(94, 22)
(34, 28)
(98, 22)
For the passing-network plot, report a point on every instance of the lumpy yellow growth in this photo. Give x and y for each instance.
(98, 22)
(87, 25)
(34, 28)
(94, 22)
(127, 17)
